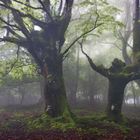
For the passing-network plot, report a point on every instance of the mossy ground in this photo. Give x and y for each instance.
(18, 125)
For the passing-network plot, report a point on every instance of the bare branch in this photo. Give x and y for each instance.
(9, 30)
(125, 40)
(60, 7)
(125, 44)
(27, 5)
(7, 23)
(18, 15)
(67, 7)
(66, 14)
(78, 38)
(46, 7)
(21, 41)
(85, 33)
(99, 69)
(66, 55)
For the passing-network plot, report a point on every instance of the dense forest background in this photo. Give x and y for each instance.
(82, 84)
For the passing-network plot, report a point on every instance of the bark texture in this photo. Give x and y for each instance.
(119, 74)
(54, 91)
(115, 98)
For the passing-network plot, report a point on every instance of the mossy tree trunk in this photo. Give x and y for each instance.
(115, 98)
(54, 90)
(119, 74)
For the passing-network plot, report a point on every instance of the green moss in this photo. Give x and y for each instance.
(136, 56)
(96, 131)
(97, 124)
(47, 123)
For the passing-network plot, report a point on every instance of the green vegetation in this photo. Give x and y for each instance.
(49, 88)
(95, 124)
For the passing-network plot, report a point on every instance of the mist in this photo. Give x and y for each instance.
(69, 70)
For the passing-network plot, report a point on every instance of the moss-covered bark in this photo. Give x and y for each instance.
(44, 45)
(118, 75)
(115, 98)
(54, 91)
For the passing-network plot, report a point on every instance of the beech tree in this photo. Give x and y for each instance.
(120, 74)
(44, 44)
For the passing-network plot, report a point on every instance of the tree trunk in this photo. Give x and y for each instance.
(54, 91)
(91, 99)
(115, 98)
(134, 93)
(136, 33)
(41, 101)
(21, 90)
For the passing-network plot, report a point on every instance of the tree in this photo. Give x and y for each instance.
(40, 29)
(119, 75)
(136, 33)
(45, 44)
(125, 36)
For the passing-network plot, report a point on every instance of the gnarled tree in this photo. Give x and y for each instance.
(44, 44)
(119, 75)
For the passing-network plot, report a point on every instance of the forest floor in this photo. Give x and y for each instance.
(91, 126)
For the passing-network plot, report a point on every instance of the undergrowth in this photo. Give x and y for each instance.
(97, 124)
